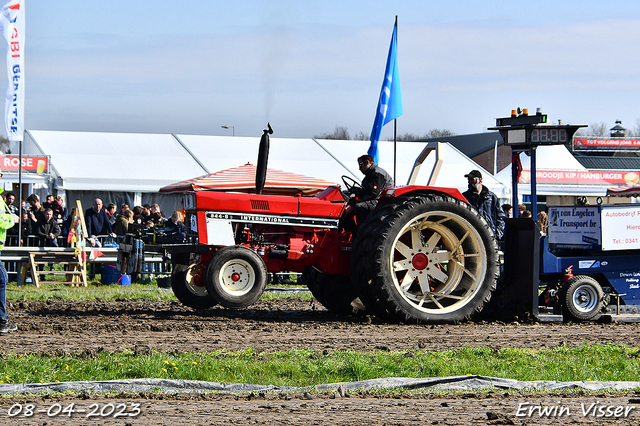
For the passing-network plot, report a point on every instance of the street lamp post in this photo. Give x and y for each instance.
(233, 129)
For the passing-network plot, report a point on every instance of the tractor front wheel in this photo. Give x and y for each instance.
(236, 277)
(187, 283)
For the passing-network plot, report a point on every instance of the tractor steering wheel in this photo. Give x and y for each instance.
(350, 183)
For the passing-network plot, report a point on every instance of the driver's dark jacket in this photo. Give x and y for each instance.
(375, 180)
(488, 204)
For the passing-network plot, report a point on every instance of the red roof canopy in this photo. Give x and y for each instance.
(624, 191)
(243, 179)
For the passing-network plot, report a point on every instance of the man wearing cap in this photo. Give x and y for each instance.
(486, 202)
(7, 220)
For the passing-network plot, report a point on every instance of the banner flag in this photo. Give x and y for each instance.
(12, 26)
(390, 102)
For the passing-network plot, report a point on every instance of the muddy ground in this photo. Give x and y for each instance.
(57, 326)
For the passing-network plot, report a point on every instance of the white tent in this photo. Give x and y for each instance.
(301, 156)
(133, 162)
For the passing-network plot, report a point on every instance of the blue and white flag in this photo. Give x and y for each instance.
(390, 103)
(12, 27)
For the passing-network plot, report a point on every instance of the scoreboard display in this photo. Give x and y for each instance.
(533, 130)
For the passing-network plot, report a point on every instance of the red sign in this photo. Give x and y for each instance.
(606, 144)
(583, 177)
(39, 165)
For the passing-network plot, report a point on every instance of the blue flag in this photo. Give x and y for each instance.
(390, 103)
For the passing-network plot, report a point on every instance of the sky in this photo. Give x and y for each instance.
(193, 66)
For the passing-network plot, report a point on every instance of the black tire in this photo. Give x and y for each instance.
(334, 292)
(426, 259)
(187, 283)
(236, 277)
(583, 298)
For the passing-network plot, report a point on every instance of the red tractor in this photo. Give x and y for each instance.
(424, 255)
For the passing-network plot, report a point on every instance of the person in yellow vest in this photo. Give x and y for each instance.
(7, 220)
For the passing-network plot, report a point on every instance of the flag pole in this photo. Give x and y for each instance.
(395, 120)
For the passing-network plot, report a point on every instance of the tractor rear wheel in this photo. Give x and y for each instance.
(236, 277)
(187, 283)
(425, 259)
(583, 298)
(334, 292)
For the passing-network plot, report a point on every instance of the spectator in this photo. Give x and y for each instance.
(97, 222)
(145, 215)
(59, 210)
(526, 213)
(543, 222)
(123, 223)
(111, 211)
(124, 208)
(175, 228)
(48, 201)
(137, 215)
(10, 197)
(521, 209)
(508, 209)
(486, 202)
(48, 229)
(156, 214)
(36, 211)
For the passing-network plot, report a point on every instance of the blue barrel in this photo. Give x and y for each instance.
(111, 275)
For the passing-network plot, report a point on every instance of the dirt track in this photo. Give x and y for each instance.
(57, 326)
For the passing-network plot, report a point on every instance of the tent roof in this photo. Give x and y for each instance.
(243, 179)
(624, 191)
(472, 144)
(113, 161)
(302, 156)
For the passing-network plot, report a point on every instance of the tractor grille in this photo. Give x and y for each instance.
(259, 205)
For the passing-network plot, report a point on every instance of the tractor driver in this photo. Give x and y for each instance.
(363, 200)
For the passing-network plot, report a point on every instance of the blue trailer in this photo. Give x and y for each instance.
(590, 261)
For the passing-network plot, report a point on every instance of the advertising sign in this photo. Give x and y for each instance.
(583, 177)
(39, 165)
(574, 227)
(605, 144)
(621, 227)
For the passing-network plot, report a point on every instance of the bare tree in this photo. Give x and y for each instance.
(407, 137)
(361, 136)
(600, 130)
(339, 133)
(438, 133)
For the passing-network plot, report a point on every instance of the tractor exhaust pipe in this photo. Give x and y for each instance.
(263, 157)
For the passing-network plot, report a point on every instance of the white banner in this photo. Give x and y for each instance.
(12, 26)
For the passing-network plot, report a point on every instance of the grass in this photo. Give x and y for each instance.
(303, 367)
(306, 368)
(96, 290)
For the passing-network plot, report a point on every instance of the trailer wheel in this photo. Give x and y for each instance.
(236, 277)
(583, 298)
(427, 259)
(334, 292)
(187, 283)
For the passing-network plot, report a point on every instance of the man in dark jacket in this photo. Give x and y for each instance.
(48, 229)
(364, 199)
(97, 221)
(486, 202)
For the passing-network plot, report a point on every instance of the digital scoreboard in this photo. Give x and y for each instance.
(526, 130)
